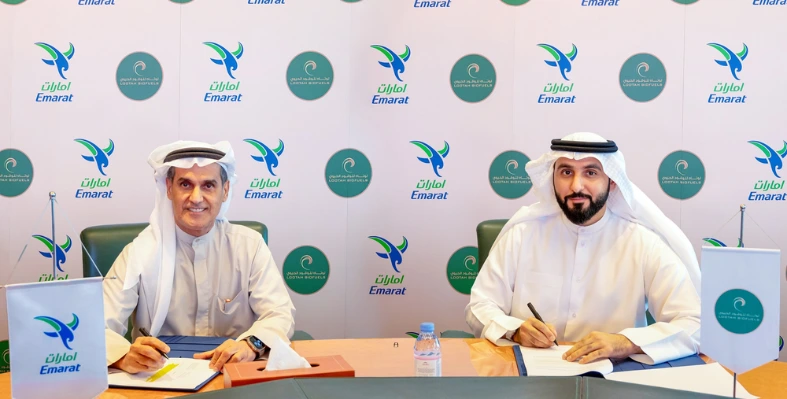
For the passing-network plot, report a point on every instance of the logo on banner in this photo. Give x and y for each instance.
(729, 92)
(462, 269)
(96, 187)
(642, 77)
(306, 270)
(54, 250)
(5, 361)
(435, 159)
(139, 76)
(96, 2)
(599, 3)
(388, 93)
(348, 173)
(718, 243)
(515, 2)
(681, 175)
(739, 311)
(225, 91)
(265, 187)
(507, 175)
(56, 362)
(264, 2)
(394, 254)
(12, 2)
(473, 78)
(16, 172)
(764, 189)
(55, 91)
(432, 4)
(310, 75)
(559, 92)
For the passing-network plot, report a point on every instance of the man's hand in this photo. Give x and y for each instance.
(143, 356)
(599, 345)
(533, 333)
(230, 351)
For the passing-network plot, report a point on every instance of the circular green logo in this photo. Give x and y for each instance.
(681, 175)
(139, 76)
(181, 1)
(16, 172)
(463, 269)
(12, 2)
(348, 173)
(515, 2)
(739, 311)
(351, 1)
(685, 1)
(473, 78)
(306, 270)
(642, 77)
(507, 175)
(310, 75)
(5, 362)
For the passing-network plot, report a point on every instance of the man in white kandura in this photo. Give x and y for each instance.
(191, 272)
(591, 255)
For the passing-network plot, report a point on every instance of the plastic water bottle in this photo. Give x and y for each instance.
(428, 359)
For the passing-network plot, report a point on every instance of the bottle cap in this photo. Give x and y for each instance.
(427, 327)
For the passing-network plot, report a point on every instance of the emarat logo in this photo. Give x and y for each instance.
(559, 92)
(265, 187)
(56, 91)
(96, 2)
(435, 159)
(771, 187)
(394, 255)
(388, 93)
(96, 187)
(730, 92)
(223, 91)
(65, 362)
(58, 251)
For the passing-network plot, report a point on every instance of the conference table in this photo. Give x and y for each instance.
(393, 357)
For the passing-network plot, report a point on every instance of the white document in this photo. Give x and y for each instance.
(177, 374)
(549, 362)
(707, 378)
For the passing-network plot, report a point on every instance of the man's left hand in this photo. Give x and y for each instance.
(599, 345)
(230, 351)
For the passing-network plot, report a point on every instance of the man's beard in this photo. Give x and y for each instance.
(576, 214)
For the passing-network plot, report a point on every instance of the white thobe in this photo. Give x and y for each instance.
(584, 279)
(226, 284)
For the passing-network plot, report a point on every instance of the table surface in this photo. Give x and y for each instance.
(461, 357)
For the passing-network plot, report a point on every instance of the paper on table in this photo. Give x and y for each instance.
(549, 362)
(707, 378)
(177, 373)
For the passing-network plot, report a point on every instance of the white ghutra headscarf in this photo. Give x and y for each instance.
(152, 255)
(627, 201)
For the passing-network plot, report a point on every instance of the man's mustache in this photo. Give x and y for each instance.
(577, 195)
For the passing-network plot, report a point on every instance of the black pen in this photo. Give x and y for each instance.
(538, 316)
(145, 333)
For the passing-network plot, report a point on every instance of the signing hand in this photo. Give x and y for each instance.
(230, 351)
(599, 345)
(533, 333)
(143, 356)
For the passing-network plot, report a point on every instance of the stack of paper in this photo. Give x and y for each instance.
(177, 374)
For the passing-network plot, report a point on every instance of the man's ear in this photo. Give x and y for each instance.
(612, 184)
(226, 190)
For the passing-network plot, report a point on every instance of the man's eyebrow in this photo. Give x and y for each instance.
(182, 179)
(591, 166)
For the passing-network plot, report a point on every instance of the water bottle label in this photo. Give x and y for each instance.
(428, 367)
